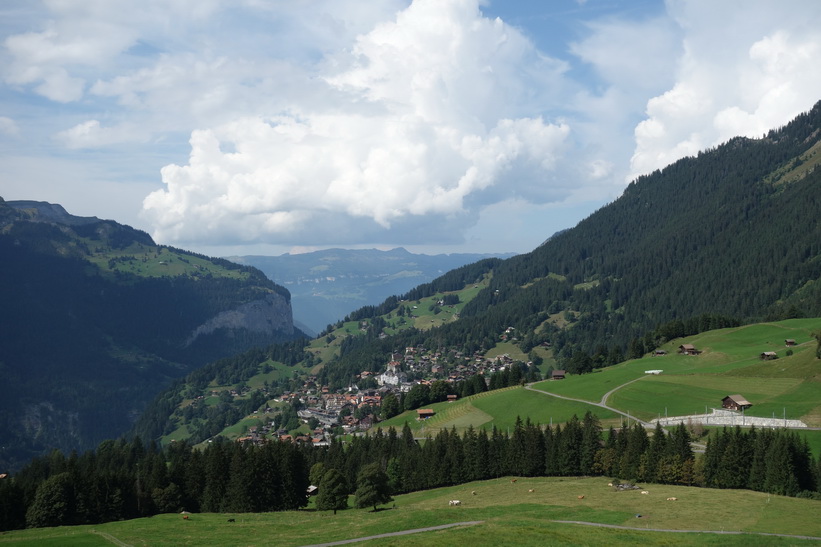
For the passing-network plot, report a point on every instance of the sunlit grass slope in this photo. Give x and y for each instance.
(520, 513)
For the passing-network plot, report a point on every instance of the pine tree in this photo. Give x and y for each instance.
(333, 492)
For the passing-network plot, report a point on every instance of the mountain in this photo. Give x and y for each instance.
(97, 318)
(731, 236)
(327, 285)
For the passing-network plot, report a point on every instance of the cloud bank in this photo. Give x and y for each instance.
(387, 122)
(422, 118)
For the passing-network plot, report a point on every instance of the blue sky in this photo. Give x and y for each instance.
(269, 126)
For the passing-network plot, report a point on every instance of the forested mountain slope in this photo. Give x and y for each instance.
(97, 318)
(734, 231)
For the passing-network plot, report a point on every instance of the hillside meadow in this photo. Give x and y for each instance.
(510, 513)
(729, 363)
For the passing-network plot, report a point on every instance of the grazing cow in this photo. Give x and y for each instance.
(232, 520)
(474, 492)
(531, 490)
(672, 499)
(645, 492)
(580, 497)
(185, 517)
(513, 480)
(609, 484)
(454, 503)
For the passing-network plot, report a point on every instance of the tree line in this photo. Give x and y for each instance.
(125, 479)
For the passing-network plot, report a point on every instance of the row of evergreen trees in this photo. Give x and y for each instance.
(122, 480)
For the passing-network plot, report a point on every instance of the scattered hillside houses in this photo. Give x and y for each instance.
(557, 375)
(688, 349)
(789, 342)
(654, 371)
(659, 352)
(768, 355)
(735, 402)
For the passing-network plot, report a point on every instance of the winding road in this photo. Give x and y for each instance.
(602, 403)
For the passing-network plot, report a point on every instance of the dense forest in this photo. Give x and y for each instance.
(126, 479)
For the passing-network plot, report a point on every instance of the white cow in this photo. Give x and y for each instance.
(645, 492)
(454, 503)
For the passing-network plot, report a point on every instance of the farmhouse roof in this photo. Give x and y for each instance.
(739, 400)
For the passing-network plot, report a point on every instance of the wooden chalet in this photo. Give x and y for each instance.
(688, 349)
(557, 375)
(735, 402)
(424, 413)
(768, 355)
(789, 342)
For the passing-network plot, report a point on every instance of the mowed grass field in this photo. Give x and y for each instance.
(520, 513)
(498, 408)
(729, 364)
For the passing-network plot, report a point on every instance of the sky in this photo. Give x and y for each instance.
(232, 127)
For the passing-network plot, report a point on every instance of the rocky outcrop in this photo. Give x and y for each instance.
(268, 315)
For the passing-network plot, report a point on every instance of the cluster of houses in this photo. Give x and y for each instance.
(338, 410)
(417, 365)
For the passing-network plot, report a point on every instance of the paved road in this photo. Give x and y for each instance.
(725, 532)
(401, 533)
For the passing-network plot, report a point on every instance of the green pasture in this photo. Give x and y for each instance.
(507, 348)
(498, 408)
(729, 363)
(509, 513)
(143, 261)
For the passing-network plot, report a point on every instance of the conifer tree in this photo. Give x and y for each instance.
(333, 492)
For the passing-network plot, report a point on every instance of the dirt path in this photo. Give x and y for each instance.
(111, 538)
(725, 532)
(602, 404)
(401, 533)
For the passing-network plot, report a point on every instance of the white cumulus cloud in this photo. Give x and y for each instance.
(744, 82)
(427, 118)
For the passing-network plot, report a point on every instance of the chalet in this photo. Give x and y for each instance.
(688, 349)
(452, 398)
(424, 413)
(789, 342)
(735, 402)
(655, 372)
(557, 375)
(768, 355)
(659, 352)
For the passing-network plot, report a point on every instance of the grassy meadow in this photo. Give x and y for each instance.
(520, 513)
(729, 363)
(498, 408)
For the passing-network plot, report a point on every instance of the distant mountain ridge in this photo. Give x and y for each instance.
(97, 318)
(327, 285)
